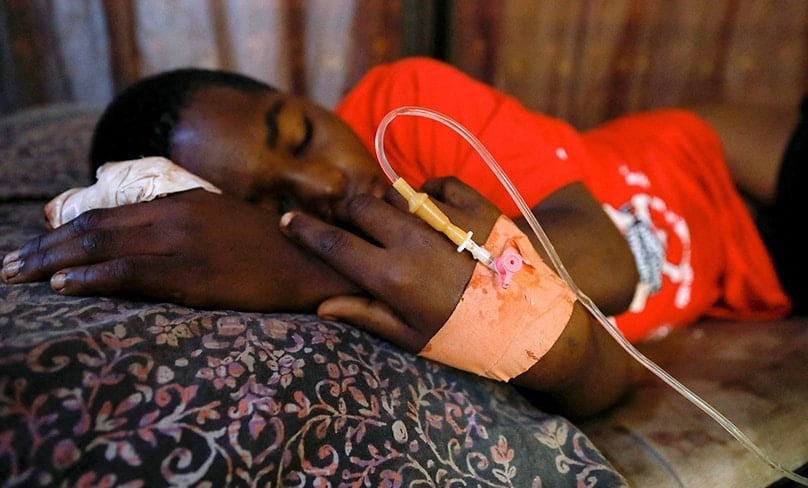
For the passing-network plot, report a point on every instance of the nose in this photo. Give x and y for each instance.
(319, 182)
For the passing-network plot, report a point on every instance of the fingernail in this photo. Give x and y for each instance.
(12, 256)
(287, 218)
(58, 281)
(11, 267)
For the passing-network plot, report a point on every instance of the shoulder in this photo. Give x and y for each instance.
(417, 81)
(422, 66)
(654, 122)
(419, 77)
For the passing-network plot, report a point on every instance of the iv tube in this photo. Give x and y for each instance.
(717, 416)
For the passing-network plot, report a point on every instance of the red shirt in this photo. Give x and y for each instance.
(661, 176)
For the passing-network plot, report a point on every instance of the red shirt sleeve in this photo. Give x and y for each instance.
(539, 154)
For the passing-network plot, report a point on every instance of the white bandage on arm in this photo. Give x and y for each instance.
(122, 183)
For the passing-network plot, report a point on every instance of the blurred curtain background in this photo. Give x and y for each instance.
(581, 60)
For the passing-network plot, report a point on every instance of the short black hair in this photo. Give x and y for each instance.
(140, 120)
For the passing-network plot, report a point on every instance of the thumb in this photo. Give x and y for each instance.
(372, 316)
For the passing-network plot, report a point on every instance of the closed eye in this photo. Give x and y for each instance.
(301, 147)
(271, 119)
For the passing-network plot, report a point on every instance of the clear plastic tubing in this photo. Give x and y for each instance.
(559, 266)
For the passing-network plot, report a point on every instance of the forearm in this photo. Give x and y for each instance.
(586, 371)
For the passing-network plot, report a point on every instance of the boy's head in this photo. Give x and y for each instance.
(140, 120)
(240, 134)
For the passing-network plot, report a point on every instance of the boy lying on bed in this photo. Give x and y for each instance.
(642, 211)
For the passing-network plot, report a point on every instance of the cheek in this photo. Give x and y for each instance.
(229, 171)
(227, 159)
(229, 178)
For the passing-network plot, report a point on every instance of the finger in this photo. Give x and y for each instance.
(95, 219)
(74, 243)
(373, 316)
(431, 188)
(388, 224)
(452, 191)
(118, 277)
(456, 194)
(397, 229)
(339, 248)
(463, 204)
(451, 196)
(392, 196)
(139, 215)
(42, 257)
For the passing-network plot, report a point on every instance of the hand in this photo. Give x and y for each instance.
(194, 248)
(414, 271)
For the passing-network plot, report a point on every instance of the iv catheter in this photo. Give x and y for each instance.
(420, 205)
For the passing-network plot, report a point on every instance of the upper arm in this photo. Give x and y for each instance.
(592, 249)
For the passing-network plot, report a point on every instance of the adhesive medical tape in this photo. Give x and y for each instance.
(497, 332)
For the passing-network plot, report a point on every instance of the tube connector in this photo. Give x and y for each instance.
(419, 204)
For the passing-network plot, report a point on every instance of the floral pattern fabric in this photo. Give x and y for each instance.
(98, 392)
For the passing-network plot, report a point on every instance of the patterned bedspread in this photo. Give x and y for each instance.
(99, 390)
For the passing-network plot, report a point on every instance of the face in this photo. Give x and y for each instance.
(266, 147)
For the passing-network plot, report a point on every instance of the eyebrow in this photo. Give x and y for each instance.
(271, 119)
